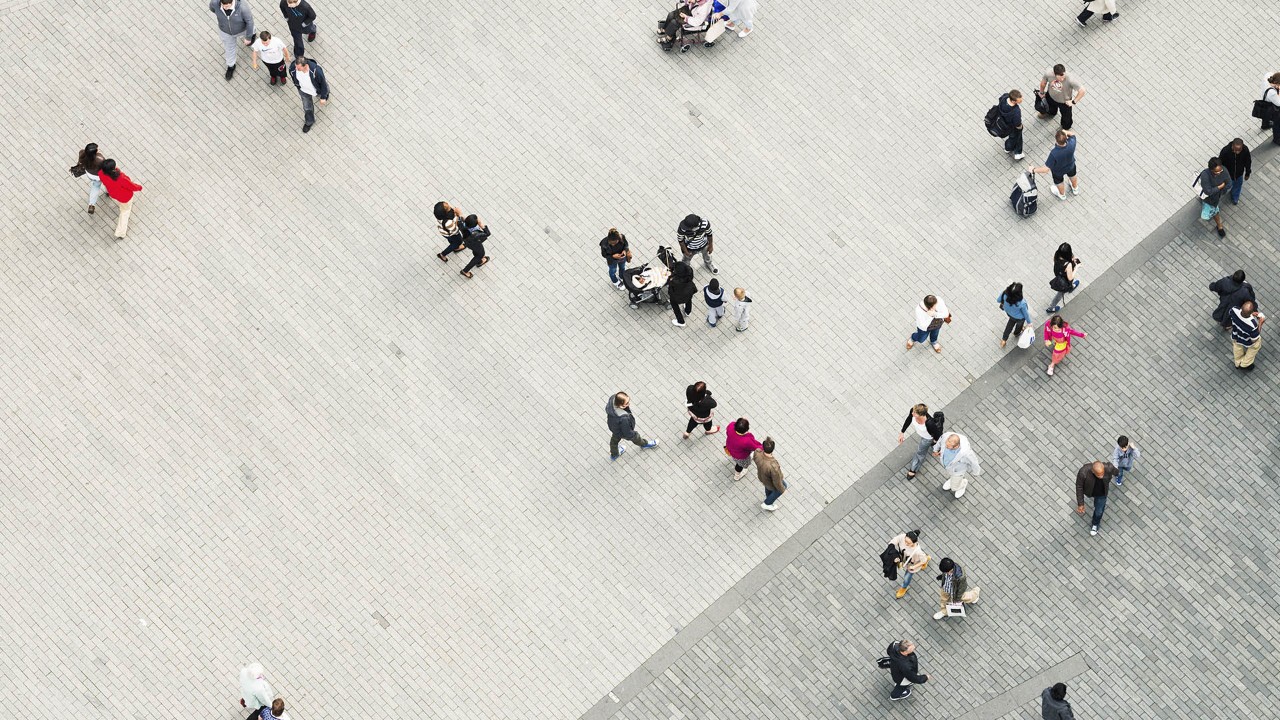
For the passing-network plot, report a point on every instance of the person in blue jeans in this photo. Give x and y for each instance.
(1093, 480)
(614, 249)
(1123, 457)
(1014, 306)
(1235, 158)
(931, 313)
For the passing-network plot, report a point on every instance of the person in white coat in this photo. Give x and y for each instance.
(255, 691)
(742, 15)
(959, 461)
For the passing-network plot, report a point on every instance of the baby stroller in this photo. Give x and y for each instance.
(644, 283)
(692, 21)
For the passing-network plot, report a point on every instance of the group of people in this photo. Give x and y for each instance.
(104, 174)
(1237, 312)
(256, 695)
(740, 445)
(461, 232)
(236, 27)
(705, 20)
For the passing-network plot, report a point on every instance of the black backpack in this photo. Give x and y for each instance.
(992, 121)
(941, 421)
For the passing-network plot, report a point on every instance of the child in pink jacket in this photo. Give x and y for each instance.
(1057, 335)
(739, 444)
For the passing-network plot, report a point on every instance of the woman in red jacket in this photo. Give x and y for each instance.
(121, 189)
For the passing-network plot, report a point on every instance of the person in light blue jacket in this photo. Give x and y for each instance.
(1123, 457)
(1015, 306)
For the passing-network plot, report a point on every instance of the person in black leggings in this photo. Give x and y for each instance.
(1015, 306)
(700, 406)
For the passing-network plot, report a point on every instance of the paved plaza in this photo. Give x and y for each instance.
(270, 425)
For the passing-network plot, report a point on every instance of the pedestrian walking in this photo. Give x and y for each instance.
(910, 557)
(740, 445)
(742, 15)
(616, 252)
(255, 691)
(477, 233)
(928, 430)
(1015, 308)
(312, 86)
(235, 19)
(1123, 457)
(953, 583)
(274, 55)
(931, 314)
(695, 238)
(1271, 94)
(275, 712)
(1057, 336)
(1108, 8)
(1246, 338)
(622, 425)
(452, 227)
(301, 19)
(1011, 122)
(1060, 94)
(1064, 279)
(1213, 182)
(1093, 479)
(122, 189)
(769, 473)
(904, 668)
(741, 309)
(1061, 164)
(681, 290)
(714, 297)
(87, 165)
(700, 406)
(1235, 158)
(1053, 703)
(959, 461)
(1232, 292)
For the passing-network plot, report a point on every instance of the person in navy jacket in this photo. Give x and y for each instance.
(308, 77)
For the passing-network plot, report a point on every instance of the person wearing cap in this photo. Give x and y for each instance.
(694, 236)
(1054, 705)
(953, 585)
(309, 78)
(904, 668)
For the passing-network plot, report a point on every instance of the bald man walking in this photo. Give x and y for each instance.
(1093, 480)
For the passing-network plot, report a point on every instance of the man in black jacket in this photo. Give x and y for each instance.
(301, 19)
(904, 668)
(1093, 480)
(1235, 158)
(309, 78)
(682, 291)
(477, 233)
(1011, 121)
(1232, 292)
(927, 430)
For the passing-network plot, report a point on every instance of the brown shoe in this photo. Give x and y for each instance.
(442, 257)
(92, 209)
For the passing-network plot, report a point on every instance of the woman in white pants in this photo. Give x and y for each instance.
(1108, 7)
(741, 14)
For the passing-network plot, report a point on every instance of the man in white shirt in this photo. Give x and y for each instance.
(309, 78)
(274, 54)
(255, 691)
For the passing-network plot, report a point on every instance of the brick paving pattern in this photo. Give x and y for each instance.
(271, 425)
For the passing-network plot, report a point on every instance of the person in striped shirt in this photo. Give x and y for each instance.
(1246, 340)
(694, 236)
(449, 223)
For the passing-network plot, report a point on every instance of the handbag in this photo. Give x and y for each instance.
(1041, 103)
(1027, 337)
(1264, 109)
(1059, 283)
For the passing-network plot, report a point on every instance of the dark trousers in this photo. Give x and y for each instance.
(1014, 326)
(308, 108)
(477, 256)
(456, 243)
(276, 69)
(298, 45)
(694, 423)
(1055, 107)
(1099, 507)
(675, 307)
(1013, 143)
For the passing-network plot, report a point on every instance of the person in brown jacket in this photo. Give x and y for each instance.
(1094, 479)
(770, 474)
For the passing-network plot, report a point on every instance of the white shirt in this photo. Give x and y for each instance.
(271, 52)
(1270, 95)
(304, 83)
(921, 430)
(254, 689)
(924, 317)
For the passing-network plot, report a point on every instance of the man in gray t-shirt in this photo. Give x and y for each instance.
(1061, 93)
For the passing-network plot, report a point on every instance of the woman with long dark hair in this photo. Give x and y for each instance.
(87, 166)
(1064, 279)
(1057, 336)
(121, 189)
(1015, 306)
(700, 406)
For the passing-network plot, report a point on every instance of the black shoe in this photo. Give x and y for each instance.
(1108, 17)
(311, 37)
(708, 44)
(1222, 233)
(231, 70)
(307, 128)
(685, 48)
(1248, 368)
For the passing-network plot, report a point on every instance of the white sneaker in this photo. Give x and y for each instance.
(737, 474)
(1075, 189)
(677, 323)
(1049, 370)
(768, 507)
(1093, 530)
(960, 493)
(939, 615)
(1018, 156)
(1053, 190)
(619, 286)
(946, 485)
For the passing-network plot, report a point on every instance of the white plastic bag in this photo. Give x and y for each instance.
(1027, 337)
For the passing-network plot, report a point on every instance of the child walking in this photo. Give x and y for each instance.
(714, 297)
(1123, 457)
(273, 53)
(1057, 335)
(741, 309)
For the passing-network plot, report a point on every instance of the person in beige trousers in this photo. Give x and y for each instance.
(121, 189)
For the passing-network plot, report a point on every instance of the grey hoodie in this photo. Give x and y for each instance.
(241, 20)
(1051, 709)
(621, 422)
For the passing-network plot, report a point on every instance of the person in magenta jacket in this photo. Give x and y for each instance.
(121, 189)
(1057, 337)
(739, 444)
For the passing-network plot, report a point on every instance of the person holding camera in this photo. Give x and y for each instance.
(1064, 279)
